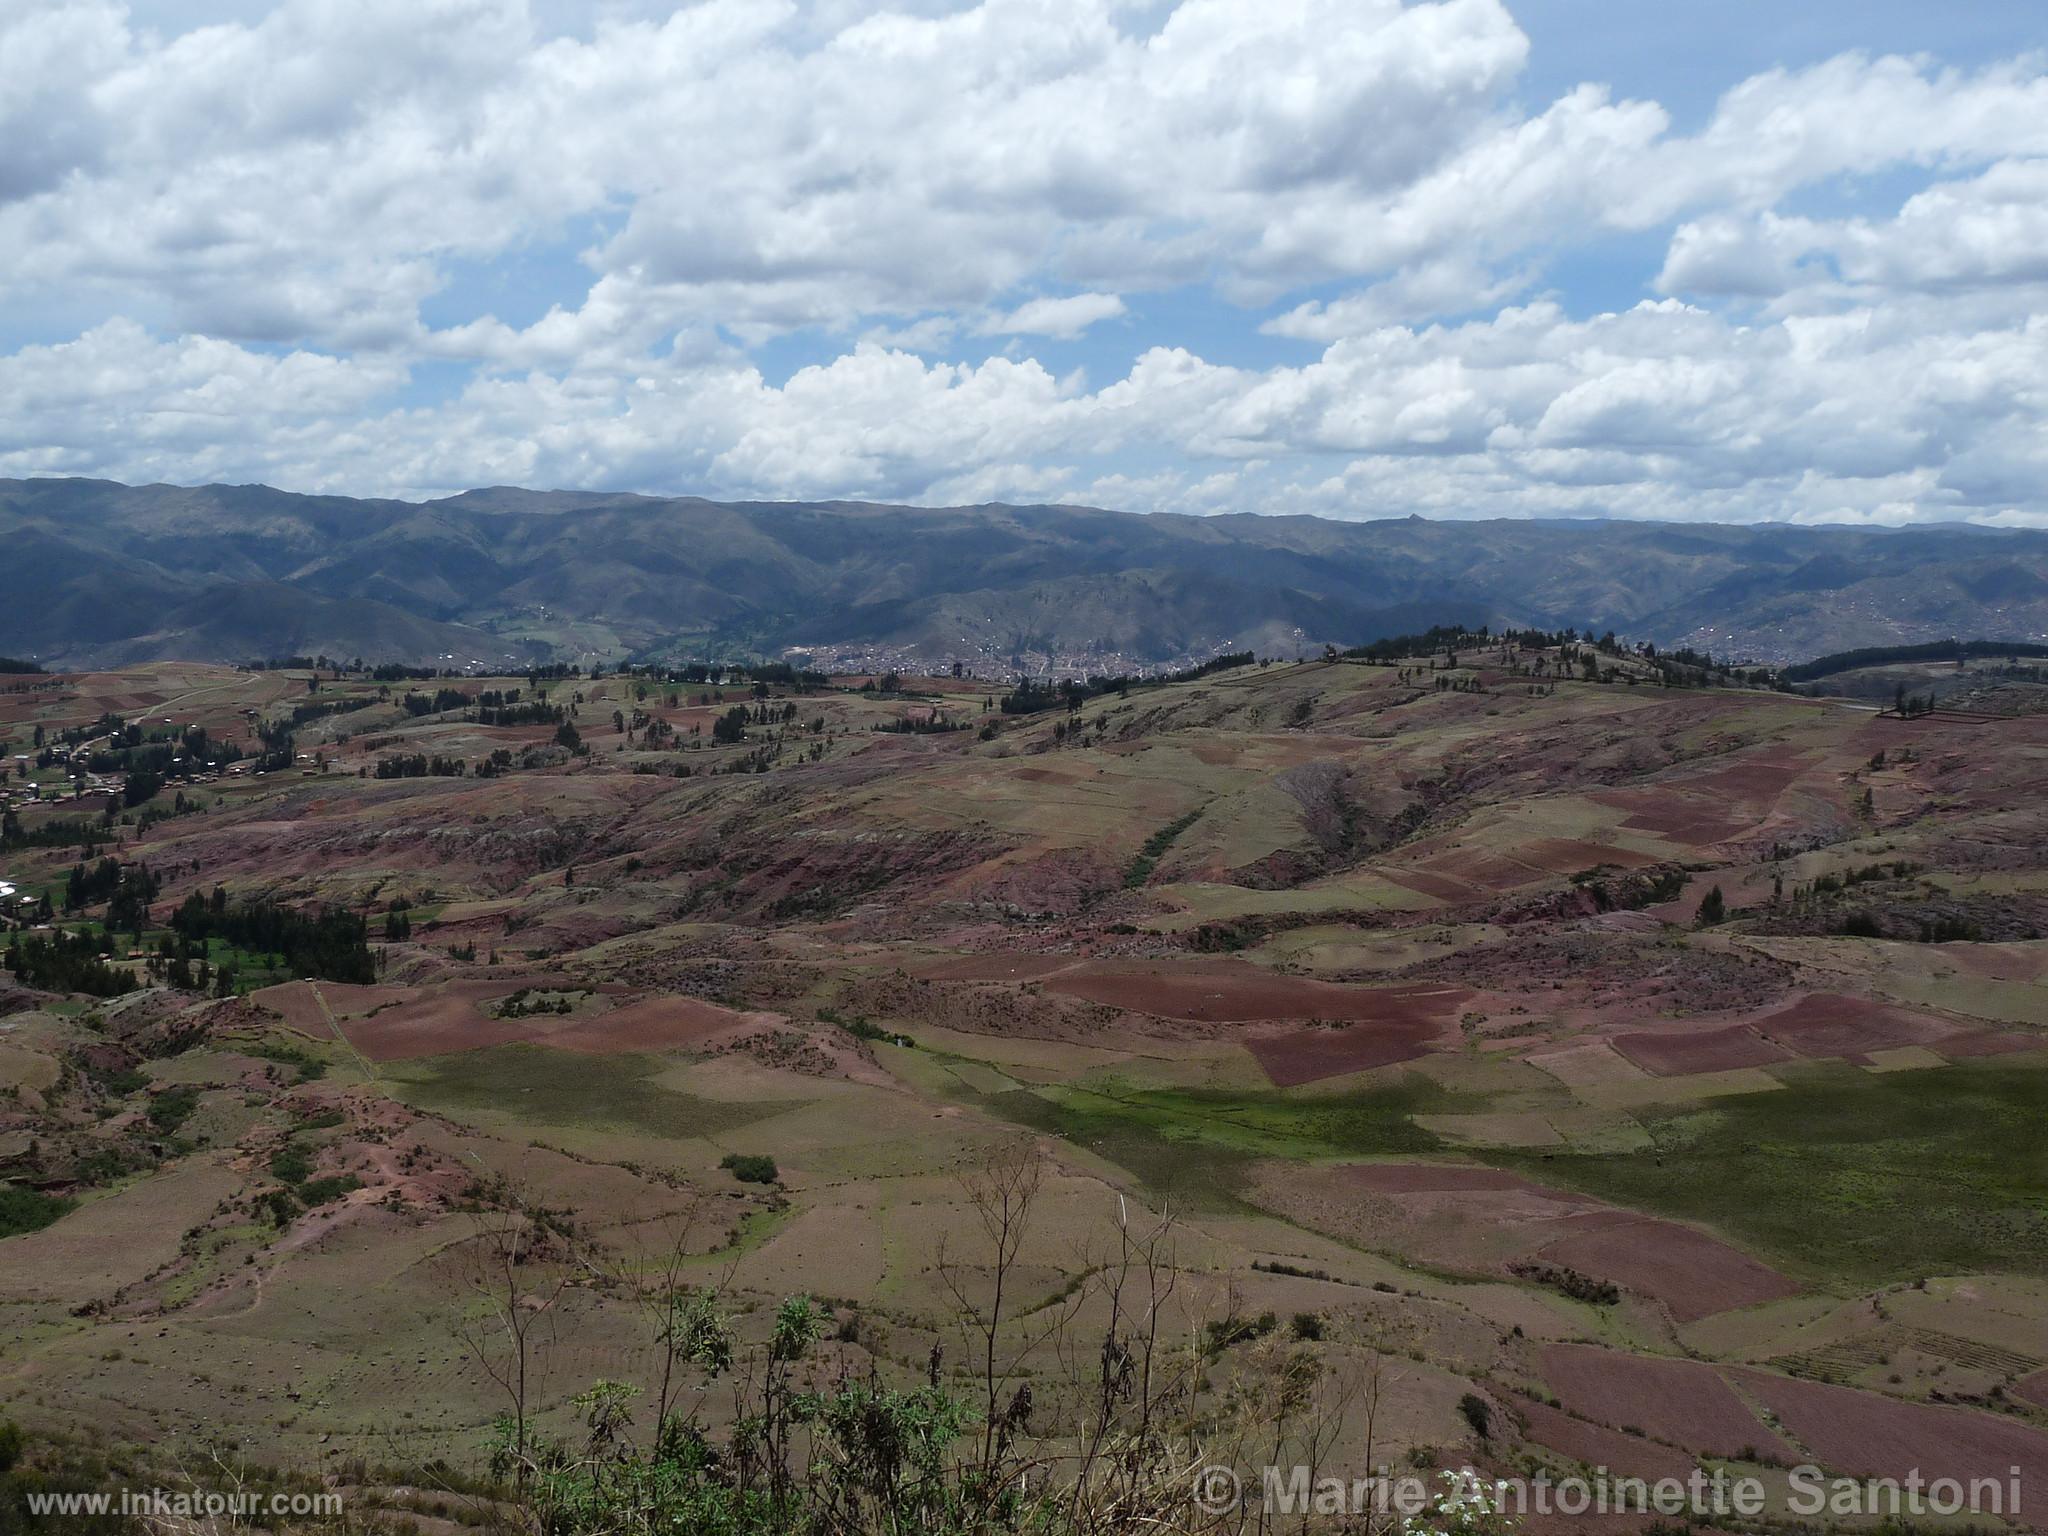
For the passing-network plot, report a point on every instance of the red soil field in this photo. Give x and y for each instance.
(347, 1001)
(1675, 1053)
(1489, 872)
(441, 1019)
(1309, 1055)
(1682, 1401)
(1759, 777)
(298, 1004)
(1694, 1275)
(1711, 807)
(651, 1025)
(1383, 1025)
(1569, 855)
(1433, 1178)
(1695, 823)
(993, 967)
(1864, 1435)
(1460, 871)
(295, 1004)
(1232, 992)
(454, 1016)
(1984, 1043)
(1625, 1455)
(436, 1027)
(1826, 1024)
(1437, 887)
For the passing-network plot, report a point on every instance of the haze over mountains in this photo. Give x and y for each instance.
(97, 574)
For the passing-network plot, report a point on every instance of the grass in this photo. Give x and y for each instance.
(1155, 849)
(28, 1210)
(1848, 1174)
(561, 1088)
(291, 1054)
(1841, 1174)
(1198, 1145)
(253, 969)
(172, 1108)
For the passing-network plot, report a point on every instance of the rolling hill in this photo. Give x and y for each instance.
(98, 573)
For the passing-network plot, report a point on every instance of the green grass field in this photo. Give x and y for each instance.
(560, 1088)
(1850, 1175)
(1197, 1145)
(1840, 1175)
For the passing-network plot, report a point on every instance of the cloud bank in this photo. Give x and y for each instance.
(1252, 255)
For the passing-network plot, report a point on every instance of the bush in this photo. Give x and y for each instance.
(172, 1108)
(1282, 1267)
(1477, 1414)
(320, 1191)
(310, 1067)
(282, 1205)
(28, 1210)
(1222, 1332)
(1599, 1293)
(291, 1166)
(815, 1447)
(861, 1029)
(750, 1168)
(1713, 908)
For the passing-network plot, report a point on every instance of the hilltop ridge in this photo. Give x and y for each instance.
(106, 574)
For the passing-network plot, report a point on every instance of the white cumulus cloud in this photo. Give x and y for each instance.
(1309, 250)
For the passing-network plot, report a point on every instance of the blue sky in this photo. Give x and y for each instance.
(1685, 56)
(1738, 262)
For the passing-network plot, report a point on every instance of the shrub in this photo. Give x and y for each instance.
(320, 1191)
(1222, 1332)
(1599, 1293)
(1713, 908)
(172, 1108)
(1477, 1414)
(281, 1204)
(310, 1067)
(750, 1168)
(291, 1165)
(28, 1210)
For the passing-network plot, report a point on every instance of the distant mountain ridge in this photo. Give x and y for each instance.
(94, 573)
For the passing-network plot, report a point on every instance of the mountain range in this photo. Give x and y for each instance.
(96, 574)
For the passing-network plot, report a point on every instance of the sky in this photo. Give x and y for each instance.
(1735, 262)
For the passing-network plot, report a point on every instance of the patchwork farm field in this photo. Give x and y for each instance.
(1663, 1069)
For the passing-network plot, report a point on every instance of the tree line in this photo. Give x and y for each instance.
(332, 945)
(1892, 655)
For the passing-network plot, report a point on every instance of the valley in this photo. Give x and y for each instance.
(1661, 1067)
